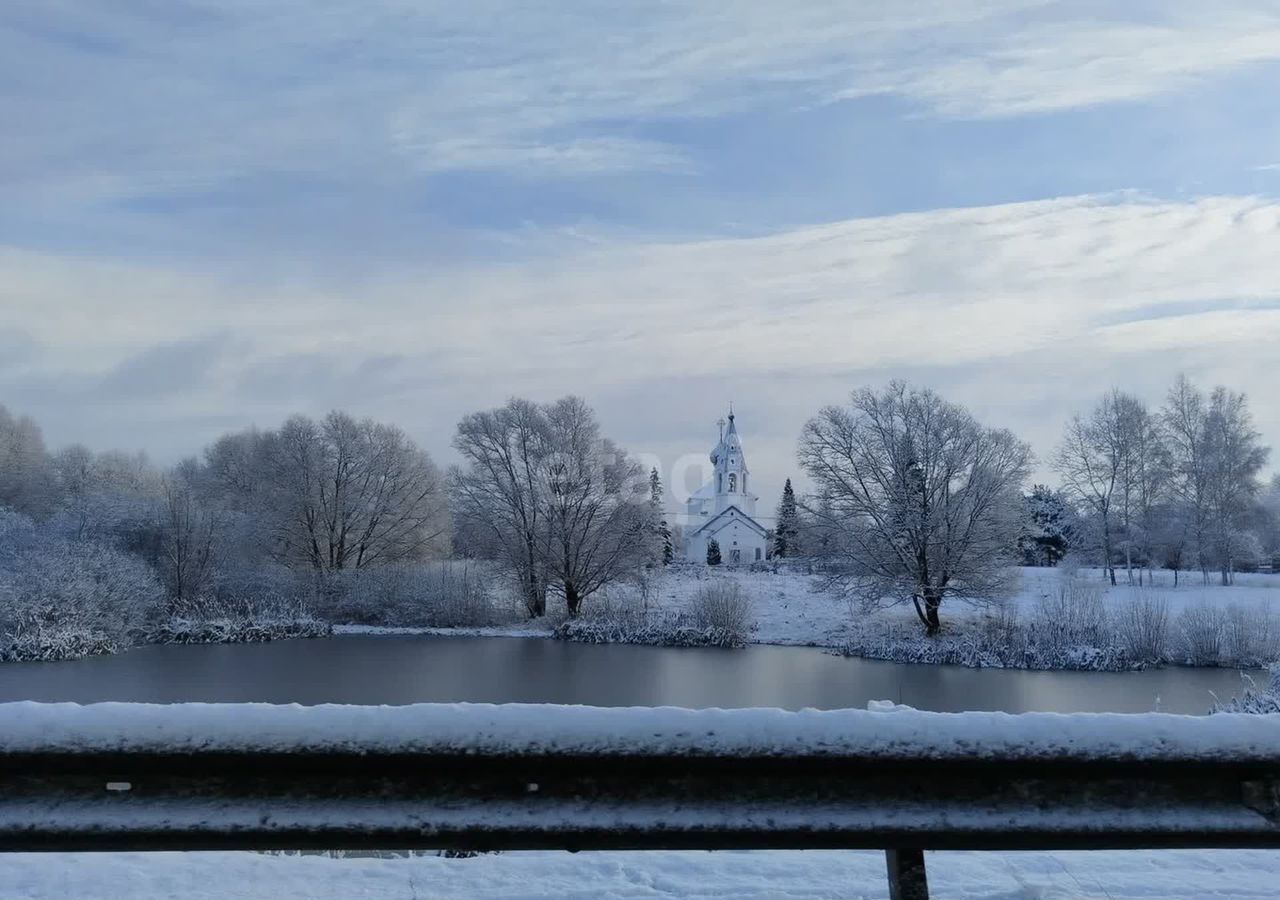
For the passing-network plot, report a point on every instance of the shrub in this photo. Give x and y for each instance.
(71, 597)
(1072, 616)
(435, 595)
(1261, 701)
(1142, 625)
(1202, 628)
(1251, 635)
(724, 606)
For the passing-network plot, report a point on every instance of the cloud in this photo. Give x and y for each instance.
(1022, 310)
(143, 100)
(177, 367)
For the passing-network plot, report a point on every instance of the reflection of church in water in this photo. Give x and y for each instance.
(724, 508)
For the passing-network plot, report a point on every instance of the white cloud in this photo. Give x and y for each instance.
(141, 100)
(1023, 310)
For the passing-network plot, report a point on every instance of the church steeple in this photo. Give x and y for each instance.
(731, 474)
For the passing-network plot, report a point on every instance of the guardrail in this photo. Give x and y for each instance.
(205, 777)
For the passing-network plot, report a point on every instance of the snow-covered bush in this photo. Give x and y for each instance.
(1251, 635)
(1201, 628)
(724, 606)
(63, 598)
(1071, 616)
(263, 591)
(440, 594)
(234, 631)
(615, 620)
(1142, 626)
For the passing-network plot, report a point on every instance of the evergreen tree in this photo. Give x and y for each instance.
(786, 532)
(662, 532)
(1048, 528)
(713, 552)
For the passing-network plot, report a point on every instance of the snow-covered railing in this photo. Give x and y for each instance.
(200, 776)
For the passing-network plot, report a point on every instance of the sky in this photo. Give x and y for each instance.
(215, 214)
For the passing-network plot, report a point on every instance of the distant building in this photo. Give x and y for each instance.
(724, 508)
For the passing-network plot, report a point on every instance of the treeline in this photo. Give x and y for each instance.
(337, 517)
(1174, 487)
(912, 500)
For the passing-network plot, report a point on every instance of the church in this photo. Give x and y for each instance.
(724, 508)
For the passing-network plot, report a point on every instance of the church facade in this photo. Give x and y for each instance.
(724, 509)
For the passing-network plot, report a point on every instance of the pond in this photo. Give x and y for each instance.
(416, 669)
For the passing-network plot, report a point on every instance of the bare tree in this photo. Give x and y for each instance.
(1235, 457)
(559, 503)
(189, 532)
(599, 521)
(1216, 456)
(1133, 435)
(498, 493)
(922, 501)
(350, 494)
(1184, 422)
(1094, 459)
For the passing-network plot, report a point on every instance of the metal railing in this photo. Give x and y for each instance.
(196, 777)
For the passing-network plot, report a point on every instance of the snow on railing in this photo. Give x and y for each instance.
(255, 776)
(884, 731)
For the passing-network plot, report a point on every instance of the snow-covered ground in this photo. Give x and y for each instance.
(1116, 875)
(791, 607)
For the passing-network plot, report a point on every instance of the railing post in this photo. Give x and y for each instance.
(907, 879)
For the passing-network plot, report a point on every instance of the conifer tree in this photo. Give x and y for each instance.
(661, 530)
(786, 531)
(713, 552)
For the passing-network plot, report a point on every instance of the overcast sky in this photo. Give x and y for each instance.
(217, 212)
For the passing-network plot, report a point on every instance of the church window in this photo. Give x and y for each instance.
(733, 482)
(720, 481)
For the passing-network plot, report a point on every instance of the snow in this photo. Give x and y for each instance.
(792, 607)
(785, 875)
(894, 732)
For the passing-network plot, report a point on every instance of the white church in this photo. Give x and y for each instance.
(724, 508)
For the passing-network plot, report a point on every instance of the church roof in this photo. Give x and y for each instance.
(731, 511)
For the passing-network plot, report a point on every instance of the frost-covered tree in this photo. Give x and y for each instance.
(1215, 455)
(54, 589)
(1091, 460)
(26, 477)
(662, 531)
(713, 552)
(786, 529)
(190, 529)
(498, 492)
(353, 493)
(560, 504)
(1235, 456)
(597, 516)
(1049, 526)
(924, 502)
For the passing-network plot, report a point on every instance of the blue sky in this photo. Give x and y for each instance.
(218, 213)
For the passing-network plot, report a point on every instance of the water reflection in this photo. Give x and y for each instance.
(413, 669)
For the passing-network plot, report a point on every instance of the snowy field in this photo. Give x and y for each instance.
(1099, 875)
(790, 607)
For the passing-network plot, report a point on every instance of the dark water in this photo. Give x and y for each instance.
(414, 669)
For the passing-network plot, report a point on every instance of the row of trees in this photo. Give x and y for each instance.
(1176, 486)
(913, 500)
(539, 488)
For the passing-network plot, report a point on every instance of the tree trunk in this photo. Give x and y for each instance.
(571, 598)
(929, 613)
